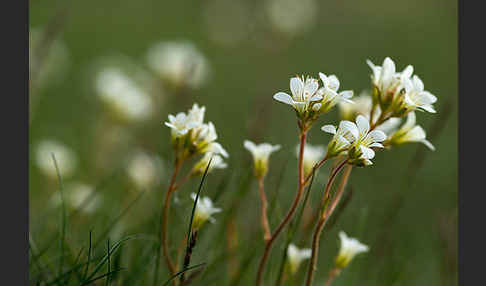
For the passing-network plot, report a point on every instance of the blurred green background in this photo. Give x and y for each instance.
(404, 206)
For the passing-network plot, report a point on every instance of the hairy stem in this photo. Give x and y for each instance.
(290, 213)
(263, 198)
(322, 221)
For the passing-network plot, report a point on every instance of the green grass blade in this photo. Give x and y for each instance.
(89, 257)
(63, 214)
(189, 232)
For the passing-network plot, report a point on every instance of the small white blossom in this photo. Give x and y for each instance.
(123, 95)
(296, 256)
(330, 95)
(179, 63)
(399, 92)
(312, 155)
(343, 137)
(204, 211)
(304, 93)
(361, 152)
(410, 132)
(418, 98)
(66, 158)
(261, 154)
(182, 123)
(189, 128)
(350, 247)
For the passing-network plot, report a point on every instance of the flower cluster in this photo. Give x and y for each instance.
(309, 101)
(190, 135)
(354, 139)
(398, 93)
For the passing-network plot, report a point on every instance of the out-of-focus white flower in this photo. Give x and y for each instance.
(296, 256)
(123, 94)
(78, 196)
(261, 154)
(204, 211)
(362, 105)
(312, 155)
(143, 169)
(291, 17)
(418, 98)
(179, 63)
(216, 163)
(47, 66)
(409, 132)
(67, 160)
(350, 247)
(304, 93)
(330, 95)
(361, 153)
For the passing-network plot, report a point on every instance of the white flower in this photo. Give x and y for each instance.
(179, 63)
(330, 95)
(304, 93)
(418, 98)
(296, 256)
(65, 157)
(123, 95)
(350, 247)
(261, 154)
(143, 169)
(343, 137)
(78, 196)
(312, 155)
(361, 152)
(410, 132)
(189, 128)
(182, 123)
(389, 84)
(204, 211)
(216, 163)
(362, 105)
(298, 15)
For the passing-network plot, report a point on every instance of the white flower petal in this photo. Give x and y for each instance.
(363, 124)
(329, 129)
(377, 135)
(283, 97)
(296, 87)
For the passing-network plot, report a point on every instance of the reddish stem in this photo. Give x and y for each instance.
(290, 213)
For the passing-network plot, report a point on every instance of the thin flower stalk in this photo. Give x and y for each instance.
(165, 217)
(263, 198)
(290, 213)
(322, 221)
(332, 275)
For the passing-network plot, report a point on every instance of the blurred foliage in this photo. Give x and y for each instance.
(404, 206)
